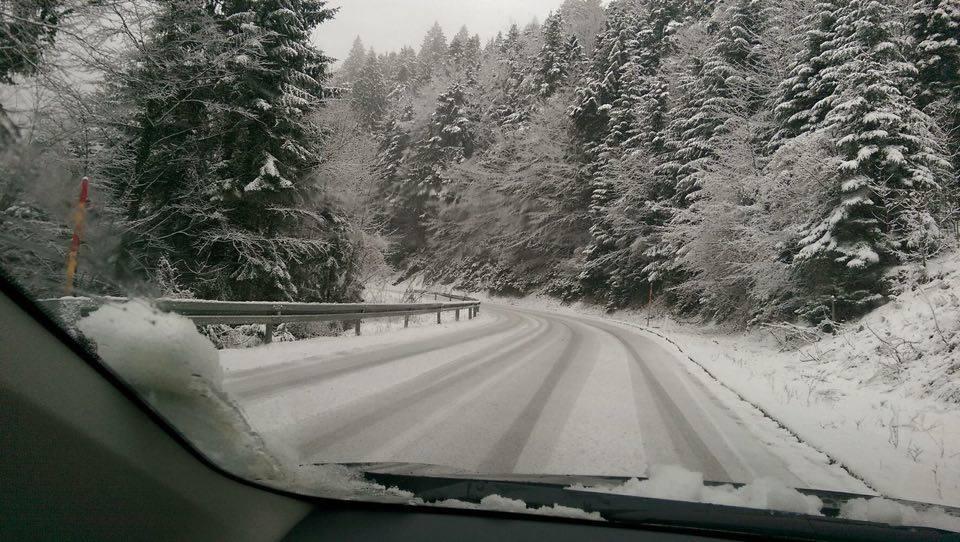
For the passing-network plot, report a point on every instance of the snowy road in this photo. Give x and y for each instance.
(517, 390)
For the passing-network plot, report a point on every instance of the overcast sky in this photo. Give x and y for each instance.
(387, 25)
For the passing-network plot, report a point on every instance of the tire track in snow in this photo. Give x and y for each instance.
(690, 448)
(505, 455)
(259, 383)
(335, 428)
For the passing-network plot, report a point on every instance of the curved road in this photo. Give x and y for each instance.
(519, 391)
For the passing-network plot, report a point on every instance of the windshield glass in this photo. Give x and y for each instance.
(704, 251)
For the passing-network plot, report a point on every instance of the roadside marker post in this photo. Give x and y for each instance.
(79, 216)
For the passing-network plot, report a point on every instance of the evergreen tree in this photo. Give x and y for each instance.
(369, 100)
(219, 159)
(804, 96)
(511, 102)
(433, 52)
(450, 138)
(552, 63)
(721, 90)
(156, 168)
(406, 66)
(463, 52)
(604, 114)
(354, 62)
(935, 29)
(935, 33)
(888, 162)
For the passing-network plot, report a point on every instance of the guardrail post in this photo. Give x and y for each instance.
(438, 316)
(357, 328)
(406, 321)
(457, 315)
(470, 313)
(268, 334)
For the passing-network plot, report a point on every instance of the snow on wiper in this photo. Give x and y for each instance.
(675, 483)
(671, 496)
(678, 484)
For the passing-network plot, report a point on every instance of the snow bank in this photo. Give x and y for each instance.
(497, 503)
(881, 510)
(676, 483)
(888, 383)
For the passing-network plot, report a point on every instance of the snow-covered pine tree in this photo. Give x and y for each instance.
(803, 100)
(369, 95)
(552, 63)
(888, 161)
(715, 91)
(450, 138)
(273, 239)
(604, 112)
(155, 167)
(354, 62)
(935, 30)
(395, 138)
(935, 48)
(574, 56)
(213, 177)
(406, 67)
(513, 84)
(463, 51)
(433, 52)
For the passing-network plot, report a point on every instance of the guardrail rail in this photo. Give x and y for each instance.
(204, 312)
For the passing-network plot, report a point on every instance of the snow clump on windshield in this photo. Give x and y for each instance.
(177, 370)
(152, 350)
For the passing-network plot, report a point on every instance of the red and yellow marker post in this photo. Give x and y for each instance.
(79, 216)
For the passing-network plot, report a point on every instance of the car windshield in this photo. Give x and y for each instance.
(693, 250)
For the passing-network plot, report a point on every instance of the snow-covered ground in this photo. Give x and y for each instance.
(881, 397)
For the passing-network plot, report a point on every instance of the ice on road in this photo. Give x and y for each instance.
(515, 391)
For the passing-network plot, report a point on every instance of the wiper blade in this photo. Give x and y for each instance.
(433, 483)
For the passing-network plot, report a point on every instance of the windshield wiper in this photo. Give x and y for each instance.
(434, 484)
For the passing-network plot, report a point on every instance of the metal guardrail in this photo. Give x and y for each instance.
(204, 312)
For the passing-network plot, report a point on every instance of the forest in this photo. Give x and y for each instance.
(740, 161)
